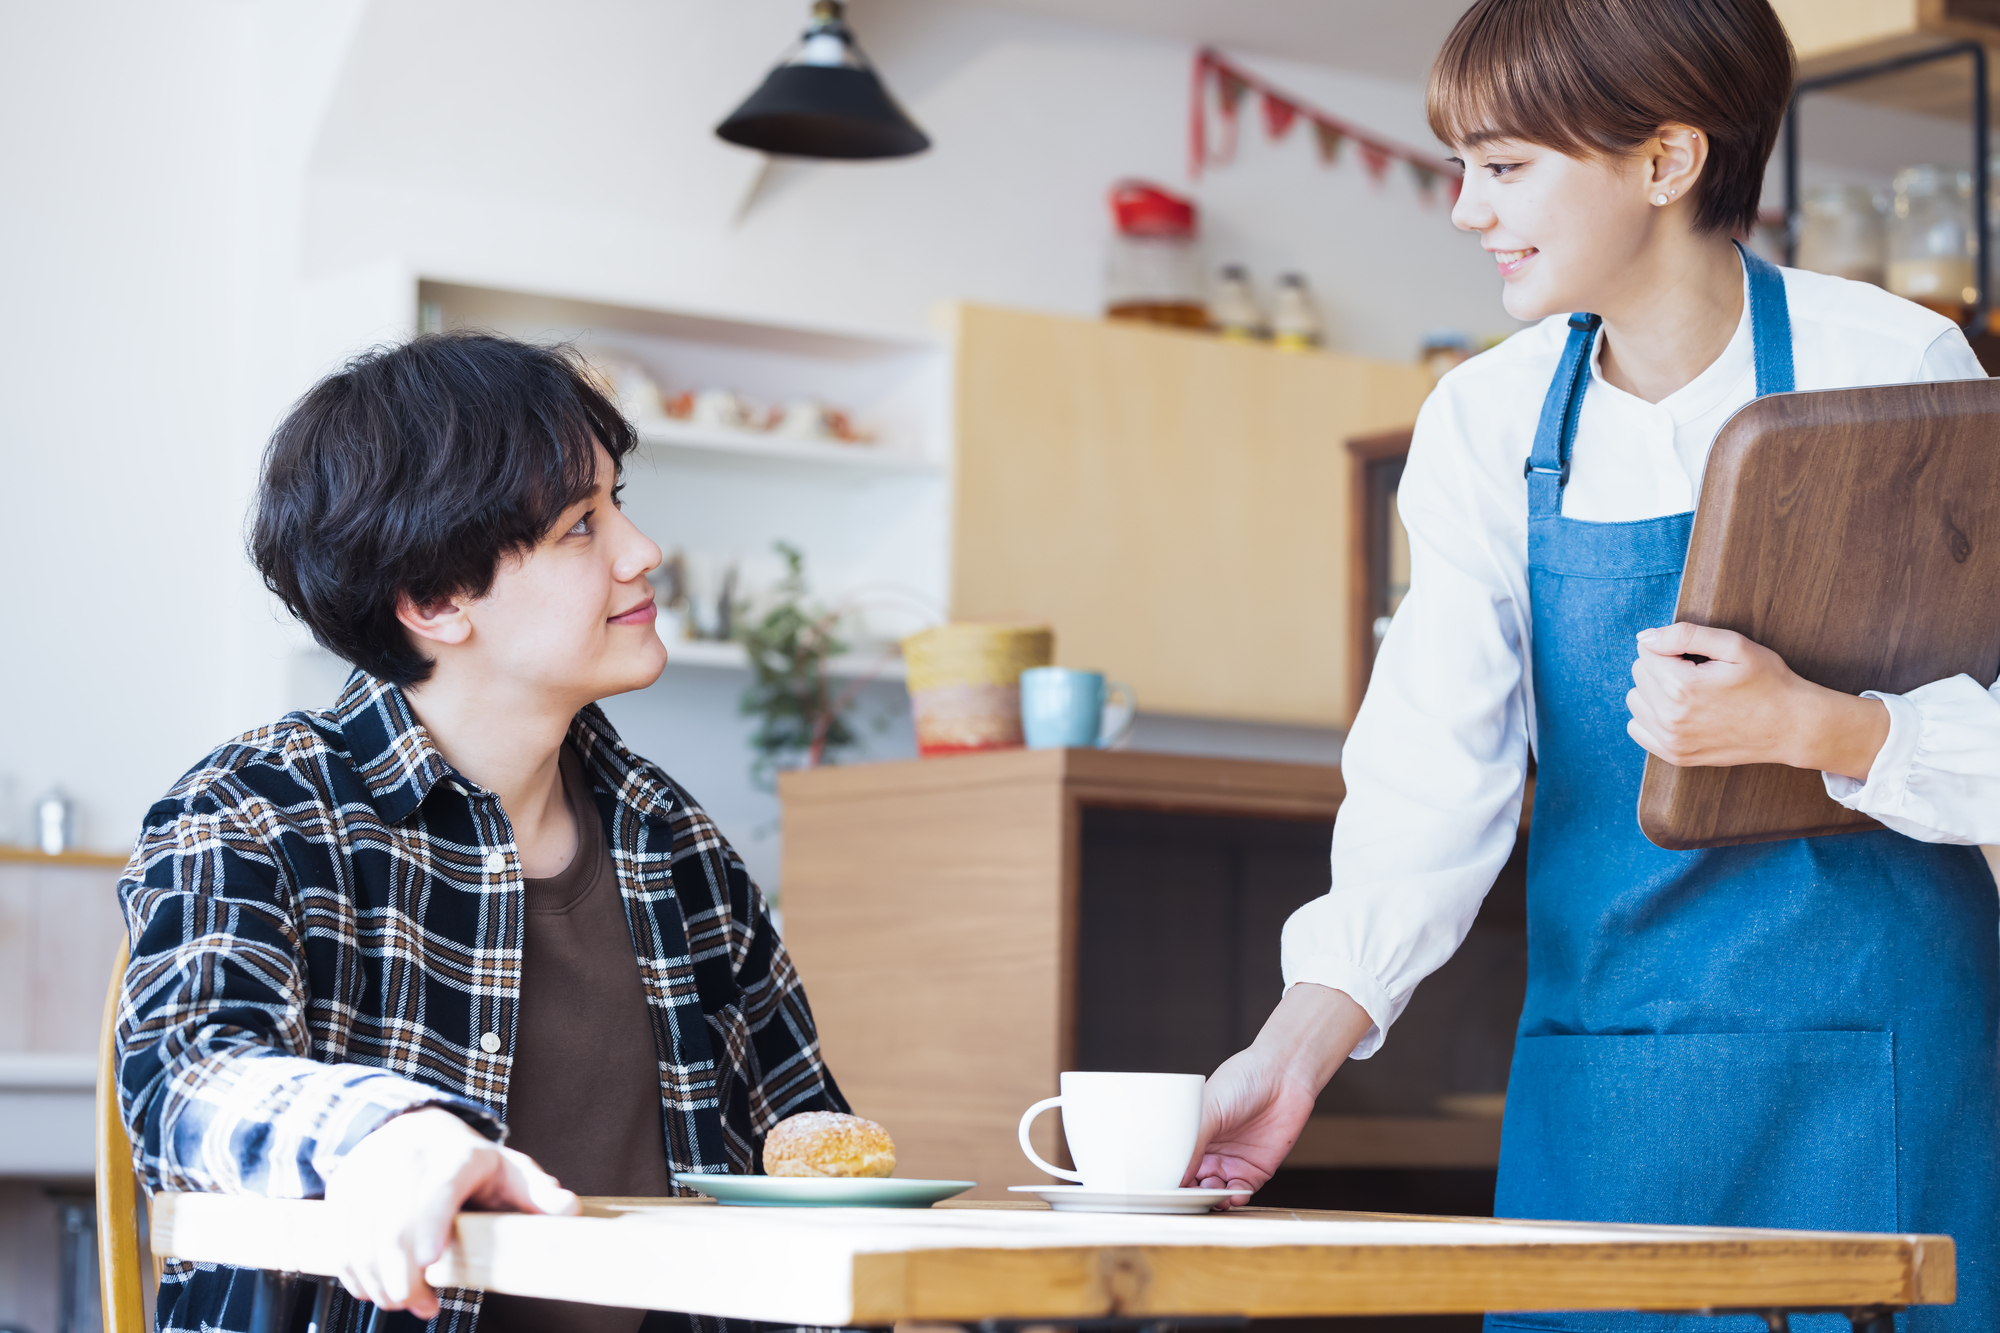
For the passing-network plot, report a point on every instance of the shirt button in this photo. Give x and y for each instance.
(490, 1043)
(459, 787)
(495, 863)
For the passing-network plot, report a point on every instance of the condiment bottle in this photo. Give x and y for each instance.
(1295, 322)
(1234, 310)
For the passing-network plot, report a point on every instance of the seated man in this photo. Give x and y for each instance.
(371, 943)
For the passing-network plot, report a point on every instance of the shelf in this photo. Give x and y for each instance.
(35, 856)
(709, 654)
(1829, 38)
(665, 438)
(1393, 1141)
(48, 1071)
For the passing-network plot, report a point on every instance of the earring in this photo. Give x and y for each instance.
(1659, 199)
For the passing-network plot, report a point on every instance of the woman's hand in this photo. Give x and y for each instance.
(1257, 1101)
(398, 1191)
(1744, 706)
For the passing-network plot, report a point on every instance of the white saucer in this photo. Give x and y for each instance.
(823, 1191)
(1077, 1199)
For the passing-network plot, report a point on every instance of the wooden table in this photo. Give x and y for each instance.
(966, 1263)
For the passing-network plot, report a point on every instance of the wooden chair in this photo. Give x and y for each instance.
(120, 1267)
(118, 1259)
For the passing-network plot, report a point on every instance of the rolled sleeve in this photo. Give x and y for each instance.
(1937, 777)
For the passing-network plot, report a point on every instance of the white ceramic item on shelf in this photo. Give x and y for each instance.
(1127, 1133)
(719, 408)
(1080, 1199)
(804, 420)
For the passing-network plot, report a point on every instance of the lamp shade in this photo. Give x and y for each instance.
(825, 101)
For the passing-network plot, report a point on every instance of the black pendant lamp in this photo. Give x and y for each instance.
(824, 101)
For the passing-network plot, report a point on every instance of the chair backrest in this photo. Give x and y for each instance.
(119, 1262)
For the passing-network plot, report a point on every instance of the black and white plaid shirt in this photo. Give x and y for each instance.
(327, 929)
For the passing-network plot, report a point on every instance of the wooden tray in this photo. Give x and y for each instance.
(1856, 533)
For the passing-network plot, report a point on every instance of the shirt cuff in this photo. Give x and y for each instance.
(1889, 775)
(1355, 982)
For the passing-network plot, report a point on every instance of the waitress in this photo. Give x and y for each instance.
(1792, 1034)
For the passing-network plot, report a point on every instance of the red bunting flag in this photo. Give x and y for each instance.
(1329, 138)
(1233, 87)
(1281, 111)
(1278, 115)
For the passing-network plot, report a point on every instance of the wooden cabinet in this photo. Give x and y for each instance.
(969, 927)
(1174, 505)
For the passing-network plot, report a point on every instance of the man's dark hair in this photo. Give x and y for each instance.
(416, 469)
(1595, 77)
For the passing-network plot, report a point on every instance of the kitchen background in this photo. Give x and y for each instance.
(209, 204)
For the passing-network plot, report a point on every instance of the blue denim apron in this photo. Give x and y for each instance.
(1792, 1034)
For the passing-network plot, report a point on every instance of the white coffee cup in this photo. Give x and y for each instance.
(1127, 1133)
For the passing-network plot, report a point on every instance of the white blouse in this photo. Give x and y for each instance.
(1437, 760)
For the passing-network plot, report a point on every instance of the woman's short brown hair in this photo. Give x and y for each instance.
(1595, 77)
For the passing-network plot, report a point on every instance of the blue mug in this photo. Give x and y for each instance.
(1062, 709)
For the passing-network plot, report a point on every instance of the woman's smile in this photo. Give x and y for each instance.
(1512, 261)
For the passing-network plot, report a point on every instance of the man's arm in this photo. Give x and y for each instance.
(216, 1083)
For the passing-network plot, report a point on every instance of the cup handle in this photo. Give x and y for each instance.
(1121, 706)
(1027, 1118)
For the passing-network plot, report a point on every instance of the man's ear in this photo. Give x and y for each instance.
(442, 621)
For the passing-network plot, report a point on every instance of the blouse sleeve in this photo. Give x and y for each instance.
(1937, 778)
(1437, 759)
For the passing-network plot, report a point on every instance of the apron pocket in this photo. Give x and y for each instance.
(1779, 1129)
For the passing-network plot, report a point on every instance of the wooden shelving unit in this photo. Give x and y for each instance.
(970, 927)
(873, 519)
(1834, 35)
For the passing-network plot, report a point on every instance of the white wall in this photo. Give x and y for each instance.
(143, 164)
(182, 175)
(580, 159)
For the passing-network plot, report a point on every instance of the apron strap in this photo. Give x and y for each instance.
(1547, 468)
(1770, 323)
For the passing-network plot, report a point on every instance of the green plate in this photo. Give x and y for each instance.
(823, 1191)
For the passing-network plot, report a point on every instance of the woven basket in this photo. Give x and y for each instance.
(965, 683)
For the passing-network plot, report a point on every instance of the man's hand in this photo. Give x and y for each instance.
(399, 1190)
(1744, 706)
(1257, 1101)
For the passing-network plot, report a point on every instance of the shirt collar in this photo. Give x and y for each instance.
(1720, 380)
(386, 744)
(393, 753)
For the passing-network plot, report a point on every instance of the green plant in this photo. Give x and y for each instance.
(800, 722)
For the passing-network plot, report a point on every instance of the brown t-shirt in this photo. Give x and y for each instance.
(584, 1096)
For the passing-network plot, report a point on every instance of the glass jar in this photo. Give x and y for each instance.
(1842, 232)
(1931, 240)
(1152, 269)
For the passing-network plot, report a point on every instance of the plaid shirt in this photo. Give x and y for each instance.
(327, 930)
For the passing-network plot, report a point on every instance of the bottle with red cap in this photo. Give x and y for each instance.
(1153, 269)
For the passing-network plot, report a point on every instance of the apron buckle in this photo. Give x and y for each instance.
(1561, 474)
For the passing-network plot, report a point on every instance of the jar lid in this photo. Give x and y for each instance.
(1143, 209)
